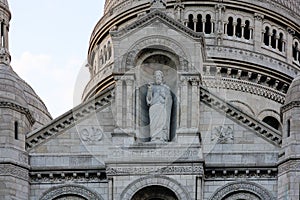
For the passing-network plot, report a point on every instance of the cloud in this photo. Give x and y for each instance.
(52, 80)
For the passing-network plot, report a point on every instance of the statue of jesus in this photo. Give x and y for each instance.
(159, 100)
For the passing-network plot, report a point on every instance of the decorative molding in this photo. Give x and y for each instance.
(14, 171)
(291, 165)
(245, 86)
(235, 187)
(129, 59)
(61, 124)
(287, 107)
(223, 135)
(215, 52)
(269, 134)
(5, 56)
(229, 173)
(167, 182)
(242, 195)
(67, 177)
(78, 190)
(19, 109)
(155, 152)
(291, 6)
(158, 170)
(91, 134)
(258, 16)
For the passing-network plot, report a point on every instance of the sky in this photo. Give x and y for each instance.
(48, 45)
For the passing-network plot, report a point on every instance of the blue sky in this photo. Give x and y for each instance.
(48, 44)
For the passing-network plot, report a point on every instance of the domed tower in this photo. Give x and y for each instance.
(289, 177)
(21, 111)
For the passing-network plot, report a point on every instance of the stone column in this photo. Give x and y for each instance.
(119, 109)
(184, 102)
(129, 106)
(258, 26)
(195, 101)
(289, 43)
(6, 27)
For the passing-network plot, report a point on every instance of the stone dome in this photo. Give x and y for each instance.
(15, 90)
(11, 89)
(293, 93)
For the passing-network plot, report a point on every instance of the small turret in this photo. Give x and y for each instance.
(289, 172)
(15, 121)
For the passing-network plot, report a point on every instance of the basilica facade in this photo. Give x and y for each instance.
(187, 100)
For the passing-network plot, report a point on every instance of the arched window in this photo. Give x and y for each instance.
(109, 49)
(105, 53)
(295, 51)
(273, 39)
(238, 32)
(266, 36)
(199, 26)
(101, 57)
(16, 130)
(230, 26)
(208, 25)
(247, 30)
(288, 128)
(191, 22)
(273, 122)
(281, 43)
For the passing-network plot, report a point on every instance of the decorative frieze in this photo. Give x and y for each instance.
(245, 86)
(20, 109)
(292, 165)
(14, 171)
(240, 173)
(67, 177)
(160, 170)
(159, 153)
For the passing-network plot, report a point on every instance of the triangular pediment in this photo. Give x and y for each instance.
(155, 17)
(69, 120)
(238, 116)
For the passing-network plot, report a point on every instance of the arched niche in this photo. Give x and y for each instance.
(155, 192)
(68, 191)
(175, 190)
(131, 58)
(232, 191)
(147, 62)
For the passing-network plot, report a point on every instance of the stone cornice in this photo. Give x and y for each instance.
(18, 108)
(290, 105)
(160, 15)
(245, 86)
(269, 134)
(261, 172)
(67, 120)
(90, 176)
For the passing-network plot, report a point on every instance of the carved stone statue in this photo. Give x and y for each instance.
(159, 100)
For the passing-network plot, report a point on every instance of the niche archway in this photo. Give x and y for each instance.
(148, 61)
(155, 192)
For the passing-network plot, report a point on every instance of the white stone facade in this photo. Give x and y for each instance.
(232, 68)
